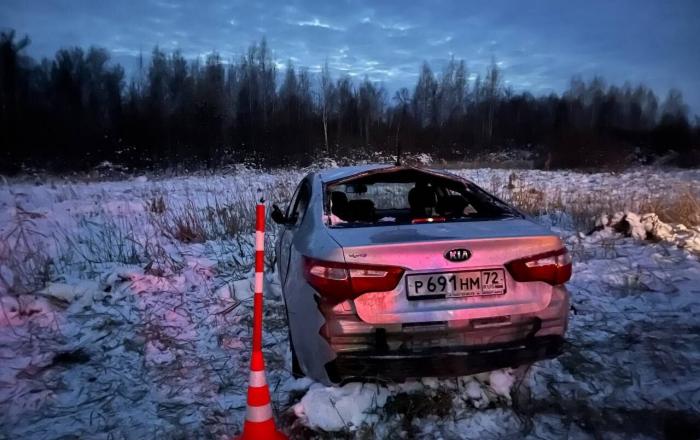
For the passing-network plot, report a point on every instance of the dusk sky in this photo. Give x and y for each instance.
(539, 44)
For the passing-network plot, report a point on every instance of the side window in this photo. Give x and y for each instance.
(300, 202)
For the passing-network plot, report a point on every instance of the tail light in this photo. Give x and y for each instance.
(342, 281)
(551, 267)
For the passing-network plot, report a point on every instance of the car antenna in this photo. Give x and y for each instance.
(398, 154)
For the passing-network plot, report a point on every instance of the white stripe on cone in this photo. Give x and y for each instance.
(258, 414)
(259, 241)
(257, 379)
(258, 282)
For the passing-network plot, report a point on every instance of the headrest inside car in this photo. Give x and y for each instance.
(421, 199)
(361, 210)
(339, 198)
(339, 204)
(423, 196)
(452, 205)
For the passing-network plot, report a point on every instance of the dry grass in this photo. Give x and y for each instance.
(419, 405)
(31, 256)
(156, 204)
(185, 225)
(581, 210)
(109, 241)
(680, 207)
(228, 219)
(28, 265)
(192, 223)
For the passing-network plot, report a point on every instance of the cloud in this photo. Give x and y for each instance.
(540, 45)
(318, 23)
(401, 27)
(441, 41)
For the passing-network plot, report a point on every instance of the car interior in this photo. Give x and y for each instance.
(405, 197)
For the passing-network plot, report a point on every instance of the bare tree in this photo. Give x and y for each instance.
(327, 102)
(425, 97)
(402, 107)
(673, 106)
(453, 83)
(370, 106)
(492, 92)
(189, 112)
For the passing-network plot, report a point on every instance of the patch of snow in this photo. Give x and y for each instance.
(649, 227)
(357, 404)
(243, 289)
(301, 384)
(424, 158)
(337, 408)
(476, 395)
(501, 382)
(158, 354)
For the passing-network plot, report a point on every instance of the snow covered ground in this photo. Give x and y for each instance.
(126, 313)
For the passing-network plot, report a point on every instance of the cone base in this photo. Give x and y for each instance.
(260, 431)
(268, 436)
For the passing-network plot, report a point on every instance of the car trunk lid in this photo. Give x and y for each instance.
(421, 249)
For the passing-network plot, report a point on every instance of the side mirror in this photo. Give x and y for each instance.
(277, 215)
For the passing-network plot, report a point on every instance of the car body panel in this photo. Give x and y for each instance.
(421, 248)
(473, 230)
(336, 174)
(303, 314)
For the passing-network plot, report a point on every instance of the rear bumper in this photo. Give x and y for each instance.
(451, 348)
(347, 333)
(442, 362)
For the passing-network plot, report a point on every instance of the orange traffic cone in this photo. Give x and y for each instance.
(259, 423)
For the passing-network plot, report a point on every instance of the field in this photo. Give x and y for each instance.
(126, 313)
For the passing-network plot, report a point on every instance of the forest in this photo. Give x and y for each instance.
(79, 109)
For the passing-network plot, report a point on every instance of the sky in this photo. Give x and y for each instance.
(539, 45)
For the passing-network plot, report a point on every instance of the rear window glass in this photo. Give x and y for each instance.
(384, 196)
(408, 197)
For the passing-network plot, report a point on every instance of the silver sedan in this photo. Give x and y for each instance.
(391, 272)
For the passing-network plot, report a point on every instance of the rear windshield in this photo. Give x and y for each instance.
(408, 197)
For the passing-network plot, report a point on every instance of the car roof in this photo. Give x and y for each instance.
(341, 173)
(331, 174)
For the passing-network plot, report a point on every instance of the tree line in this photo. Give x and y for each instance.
(78, 109)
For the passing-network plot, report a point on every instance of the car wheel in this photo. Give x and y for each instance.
(296, 368)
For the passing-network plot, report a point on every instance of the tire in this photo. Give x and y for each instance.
(296, 368)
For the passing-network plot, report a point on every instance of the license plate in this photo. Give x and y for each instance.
(456, 284)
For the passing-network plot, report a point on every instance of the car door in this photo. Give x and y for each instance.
(295, 215)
